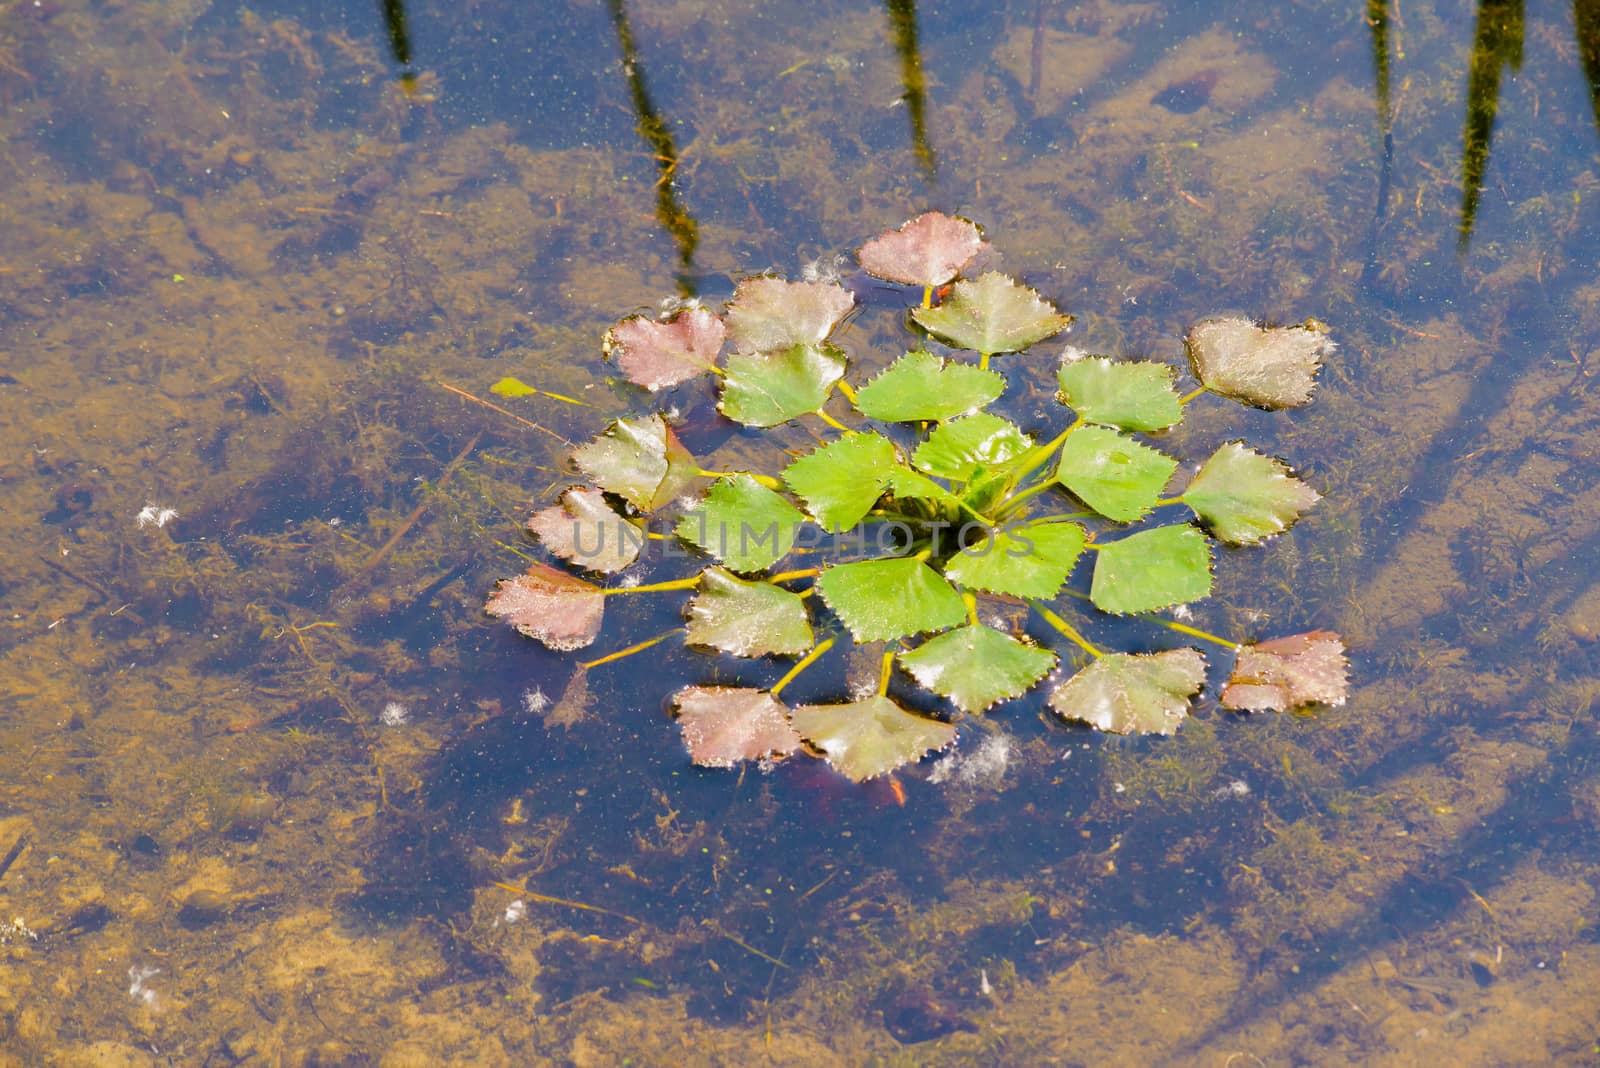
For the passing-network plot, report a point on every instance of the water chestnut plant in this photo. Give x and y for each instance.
(920, 518)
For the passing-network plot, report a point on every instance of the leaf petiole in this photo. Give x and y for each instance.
(630, 650)
(1193, 632)
(831, 421)
(805, 662)
(1011, 504)
(1039, 455)
(655, 587)
(764, 480)
(1067, 629)
(1061, 517)
(787, 576)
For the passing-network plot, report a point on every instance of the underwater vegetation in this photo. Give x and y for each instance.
(934, 519)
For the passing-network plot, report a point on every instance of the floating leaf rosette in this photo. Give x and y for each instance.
(913, 508)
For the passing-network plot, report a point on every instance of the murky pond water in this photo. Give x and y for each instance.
(274, 791)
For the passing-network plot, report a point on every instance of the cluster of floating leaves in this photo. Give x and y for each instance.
(935, 459)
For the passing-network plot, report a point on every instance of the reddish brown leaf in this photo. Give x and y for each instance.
(723, 725)
(656, 355)
(1285, 673)
(584, 529)
(927, 251)
(559, 609)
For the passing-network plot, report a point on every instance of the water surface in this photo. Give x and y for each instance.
(274, 791)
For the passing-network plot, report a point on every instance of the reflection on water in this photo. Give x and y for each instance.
(276, 792)
(1496, 46)
(656, 132)
(394, 20)
(903, 19)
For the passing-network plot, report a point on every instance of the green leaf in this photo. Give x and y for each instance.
(922, 386)
(723, 725)
(881, 600)
(638, 459)
(769, 314)
(867, 738)
(976, 666)
(1112, 473)
(842, 480)
(513, 387)
(768, 388)
(747, 618)
(1244, 497)
(1271, 367)
(1032, 561)
(584, 529)
(1133, 693)
(743, 524)
(560, 610)
(990, 314)
(960, 448)
(985, 490)
(1152, 569)
(1135, 395)
(907, 484)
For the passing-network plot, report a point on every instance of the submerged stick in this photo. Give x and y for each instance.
(502, 411)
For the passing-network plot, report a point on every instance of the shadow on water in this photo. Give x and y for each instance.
(1530, 822)
(1498, 44)
(606, 829)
